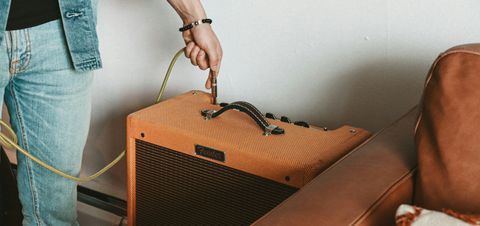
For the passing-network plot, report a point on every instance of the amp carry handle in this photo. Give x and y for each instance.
(251, 111)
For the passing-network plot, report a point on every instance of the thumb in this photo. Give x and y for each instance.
(208, 83)
(213, 61)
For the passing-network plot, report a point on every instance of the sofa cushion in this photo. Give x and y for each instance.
(447, 133)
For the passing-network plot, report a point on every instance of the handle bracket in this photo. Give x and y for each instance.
(208, 114)
(269, 130)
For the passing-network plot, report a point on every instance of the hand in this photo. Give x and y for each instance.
(204, 50)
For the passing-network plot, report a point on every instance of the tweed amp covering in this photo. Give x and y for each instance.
(184, 170)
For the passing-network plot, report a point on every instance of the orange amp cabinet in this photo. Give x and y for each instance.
(194, 163)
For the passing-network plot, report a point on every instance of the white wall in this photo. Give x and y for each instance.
(328, 62)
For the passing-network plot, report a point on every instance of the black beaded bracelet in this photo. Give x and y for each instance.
(194, 24)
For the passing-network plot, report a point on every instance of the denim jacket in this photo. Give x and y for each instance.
(79, 22)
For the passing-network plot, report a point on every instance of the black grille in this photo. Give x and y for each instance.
(178, 189)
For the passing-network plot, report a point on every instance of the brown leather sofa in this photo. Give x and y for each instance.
(368, 184)
(363, 188)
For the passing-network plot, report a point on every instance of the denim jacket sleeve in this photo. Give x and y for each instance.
(4, 9)
(79, 23)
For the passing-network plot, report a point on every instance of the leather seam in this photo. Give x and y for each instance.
(391, 189)
(430, 75)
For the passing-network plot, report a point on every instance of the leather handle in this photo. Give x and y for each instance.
(251, 111)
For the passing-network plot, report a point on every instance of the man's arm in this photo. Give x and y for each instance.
(202, 45)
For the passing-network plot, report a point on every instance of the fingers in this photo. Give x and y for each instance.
(189, 48)
(202, 60)
(197, 56)
(194, 55)
(204, 51)
(214, 59)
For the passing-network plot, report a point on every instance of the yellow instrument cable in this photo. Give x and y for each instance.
(11, 143)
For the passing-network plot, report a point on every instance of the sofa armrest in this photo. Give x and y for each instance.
(363, 188)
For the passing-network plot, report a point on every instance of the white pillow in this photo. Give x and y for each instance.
(415, 216)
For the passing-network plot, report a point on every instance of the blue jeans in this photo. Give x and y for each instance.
(49, 105)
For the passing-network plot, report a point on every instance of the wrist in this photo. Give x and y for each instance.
(195, 24)
(192, 17)
(188, 10)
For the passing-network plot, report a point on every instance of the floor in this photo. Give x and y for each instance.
(89, 216)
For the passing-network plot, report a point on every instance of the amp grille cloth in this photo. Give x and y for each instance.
(173, 188)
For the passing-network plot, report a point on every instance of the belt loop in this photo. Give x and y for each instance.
(8, 41)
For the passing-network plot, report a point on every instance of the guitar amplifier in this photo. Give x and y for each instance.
(193, 163)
